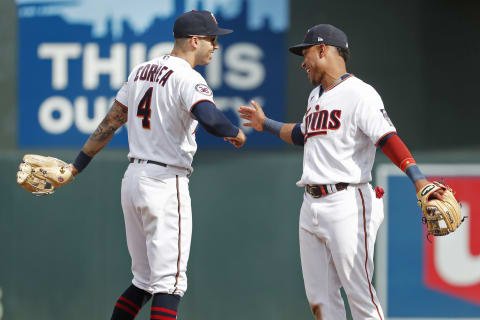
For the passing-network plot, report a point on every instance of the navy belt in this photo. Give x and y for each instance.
(321, 190)
(133, 160)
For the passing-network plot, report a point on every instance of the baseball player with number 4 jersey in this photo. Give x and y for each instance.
(164, 100)
(345, 121)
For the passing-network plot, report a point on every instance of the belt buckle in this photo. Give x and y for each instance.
(318, 191)
(310, 191)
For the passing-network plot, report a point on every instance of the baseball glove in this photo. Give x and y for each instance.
(42, 175)
(441, 216)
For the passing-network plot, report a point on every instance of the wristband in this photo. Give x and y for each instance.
(413, 172)
(82, 161)
(272, 126)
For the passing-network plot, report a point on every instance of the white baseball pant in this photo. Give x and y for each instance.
(337, 238)
(158, 222)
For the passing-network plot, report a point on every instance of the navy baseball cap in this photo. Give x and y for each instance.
(197, 23)
(322, 33)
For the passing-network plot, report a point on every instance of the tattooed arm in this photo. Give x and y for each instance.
(115, 118)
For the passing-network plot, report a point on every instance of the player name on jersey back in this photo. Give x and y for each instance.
(159, 95)
(153, 73)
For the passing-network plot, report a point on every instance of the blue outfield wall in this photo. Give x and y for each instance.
(67, 79)
(413, 270)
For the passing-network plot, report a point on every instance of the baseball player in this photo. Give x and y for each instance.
(344, 123)
(164, 100)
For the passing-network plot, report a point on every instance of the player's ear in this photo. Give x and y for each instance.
(322, 50)
(193, 41)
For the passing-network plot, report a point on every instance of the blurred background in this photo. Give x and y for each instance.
(61, 63)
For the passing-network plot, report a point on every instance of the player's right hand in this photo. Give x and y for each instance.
(239, 140)
(254, 114)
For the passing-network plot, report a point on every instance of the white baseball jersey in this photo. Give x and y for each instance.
(341, 128)
(159, 95)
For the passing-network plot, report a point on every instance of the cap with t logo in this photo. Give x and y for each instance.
(197, 23)
(322, 33)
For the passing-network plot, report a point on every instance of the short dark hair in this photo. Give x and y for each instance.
(344, 53)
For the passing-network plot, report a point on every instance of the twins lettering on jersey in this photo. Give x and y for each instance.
(320, 121)
(153, 73)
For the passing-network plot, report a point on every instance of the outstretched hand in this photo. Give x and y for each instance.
(253, 114)
(237, 141)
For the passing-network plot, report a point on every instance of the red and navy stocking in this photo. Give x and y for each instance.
(164, 306)
(130, 303)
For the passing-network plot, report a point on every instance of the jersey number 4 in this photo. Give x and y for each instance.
(143, 110)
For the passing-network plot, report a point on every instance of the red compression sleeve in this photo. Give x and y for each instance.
(397, 151)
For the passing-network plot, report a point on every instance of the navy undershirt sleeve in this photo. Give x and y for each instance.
(297, 135)
(384, 139)
(213, 120)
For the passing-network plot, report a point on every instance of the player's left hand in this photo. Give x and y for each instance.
(73, 169)
(237, 141)
(41, 175)
(419, 184)
(441, 215)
